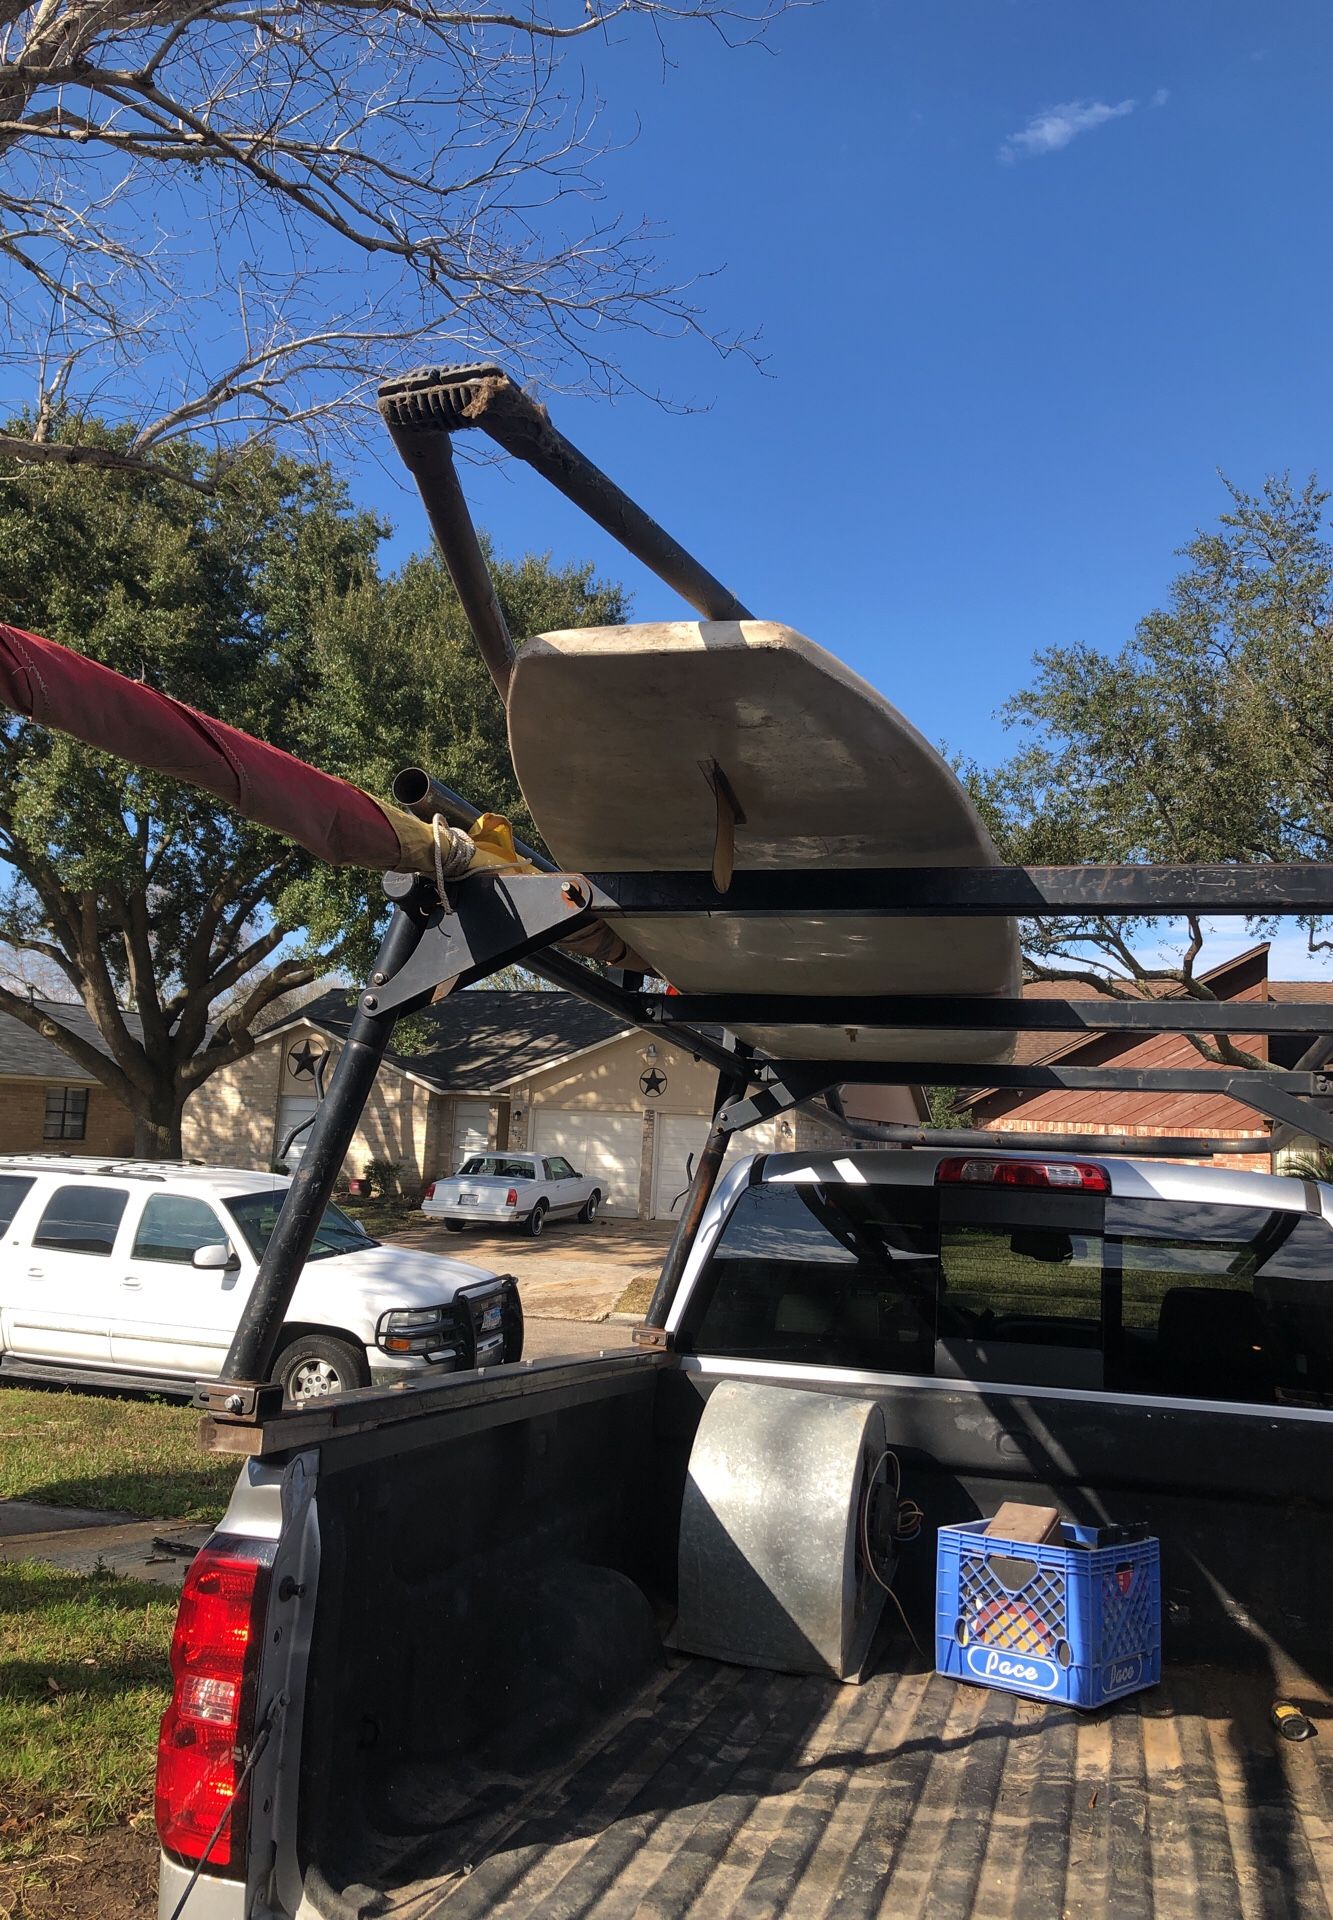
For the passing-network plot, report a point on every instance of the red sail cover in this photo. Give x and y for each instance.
(61, 689)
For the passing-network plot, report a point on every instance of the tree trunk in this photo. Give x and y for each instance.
(157, 1135)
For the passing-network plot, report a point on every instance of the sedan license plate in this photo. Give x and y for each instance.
(469, 1199)
(491, 1318)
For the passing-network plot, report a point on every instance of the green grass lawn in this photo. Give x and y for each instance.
(637, 1294)
(83, 1682)
(383, 1216)
(102, 1450)
(83, 1657)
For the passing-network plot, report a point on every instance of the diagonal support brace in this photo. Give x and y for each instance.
(486, 925)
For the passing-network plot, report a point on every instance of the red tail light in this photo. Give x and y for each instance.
(207, 1729)
(429, 1194)
(1064, 1176)
(511, 1198)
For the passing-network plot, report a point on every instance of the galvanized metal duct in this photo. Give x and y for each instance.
(772, 1567)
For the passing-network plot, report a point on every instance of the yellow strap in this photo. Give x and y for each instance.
(491, 833)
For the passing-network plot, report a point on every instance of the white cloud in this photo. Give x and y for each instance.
(1054, 127)
(1160, 98)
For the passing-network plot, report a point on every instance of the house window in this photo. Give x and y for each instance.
(66, 1113)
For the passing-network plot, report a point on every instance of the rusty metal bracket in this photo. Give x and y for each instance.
(241, 1401)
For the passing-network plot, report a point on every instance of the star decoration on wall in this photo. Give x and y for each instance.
(304, 1059)
(653, 1083)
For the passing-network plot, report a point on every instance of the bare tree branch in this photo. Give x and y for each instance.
(235, 1035)
(68, 453)
(191, 193)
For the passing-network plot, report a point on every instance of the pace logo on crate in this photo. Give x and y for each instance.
(1122, 1676)
(1077, 1619)
(1027, 1671)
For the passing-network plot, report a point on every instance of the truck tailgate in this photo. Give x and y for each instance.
(725, 1791)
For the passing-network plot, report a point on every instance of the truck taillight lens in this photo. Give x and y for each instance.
(209, 1724)
(511, 1198)
(429, 1194)
(1066, 1176)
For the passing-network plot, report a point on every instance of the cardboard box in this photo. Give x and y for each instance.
(1034, 1526)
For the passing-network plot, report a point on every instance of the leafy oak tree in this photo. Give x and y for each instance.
(1208, 737)
(401, 684)
(258, 601)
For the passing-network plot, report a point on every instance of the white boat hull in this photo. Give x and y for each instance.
(613, 731)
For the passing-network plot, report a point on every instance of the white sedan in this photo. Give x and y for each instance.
(511, 1189)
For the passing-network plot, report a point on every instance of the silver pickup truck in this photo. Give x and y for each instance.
(439, 1657)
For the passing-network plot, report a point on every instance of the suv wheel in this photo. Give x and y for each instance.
(536, 1220)
(588, 1211)
(316, 1365)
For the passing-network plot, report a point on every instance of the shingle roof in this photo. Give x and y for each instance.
(1298, 990)
(481, 1041)
(25, 1055)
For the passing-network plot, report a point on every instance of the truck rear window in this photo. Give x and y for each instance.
(847, 1275)
(1186, 1299)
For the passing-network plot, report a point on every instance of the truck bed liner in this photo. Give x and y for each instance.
(728, 1794)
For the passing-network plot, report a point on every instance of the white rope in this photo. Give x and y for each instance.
(453, 851)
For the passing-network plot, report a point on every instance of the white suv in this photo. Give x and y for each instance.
(116, 1268)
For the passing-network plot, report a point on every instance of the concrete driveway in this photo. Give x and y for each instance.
(572, 1272)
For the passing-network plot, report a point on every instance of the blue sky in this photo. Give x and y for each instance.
(1028, 274)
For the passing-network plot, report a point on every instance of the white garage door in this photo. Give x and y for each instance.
(472, 1130)
(680, 1135)
(609, 1146)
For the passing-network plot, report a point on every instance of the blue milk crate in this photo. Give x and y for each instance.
(1074, 1620)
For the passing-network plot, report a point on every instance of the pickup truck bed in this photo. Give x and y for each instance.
(494, 1722)
(723, 1791)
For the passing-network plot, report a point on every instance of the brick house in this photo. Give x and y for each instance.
(1056, 1110)
(48, 1103)
(526, 1070)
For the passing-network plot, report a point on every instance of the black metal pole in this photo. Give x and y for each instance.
(1185, 1145)
(978, 1014)
(252, 1349)
(429, 459)
(434, 402)
(731, 1084)
(422, 794)
(563, 971)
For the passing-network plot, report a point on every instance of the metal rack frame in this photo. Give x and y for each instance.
(491, 920)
